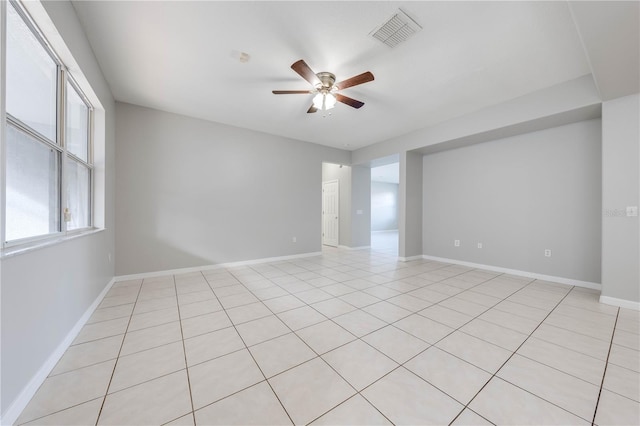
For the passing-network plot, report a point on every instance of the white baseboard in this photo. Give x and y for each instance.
(216, 266)
(21, 401)
(409, 258)
(354, 248)
(561, 280)
(621, 303)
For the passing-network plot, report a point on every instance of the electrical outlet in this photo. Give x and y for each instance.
(480, 245)
(547, 253)
(294, 240)
(632, 211)
(456, 243)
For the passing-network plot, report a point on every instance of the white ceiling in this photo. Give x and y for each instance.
(182, 57)
(610, 31)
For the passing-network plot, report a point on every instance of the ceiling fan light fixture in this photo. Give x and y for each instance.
(329, 101)
(324, 101)
(318, 100)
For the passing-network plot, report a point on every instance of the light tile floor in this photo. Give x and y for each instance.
(348, 337)
(385, 241)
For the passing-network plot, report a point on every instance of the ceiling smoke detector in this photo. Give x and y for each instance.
(396, 30)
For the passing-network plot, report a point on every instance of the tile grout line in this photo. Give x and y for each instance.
(317, 270)
(124, 336)
(184, 352)
(412, 313)
(56, 412)
(432, 304)
(606, 364)
(241, 283)
(319, 356)
(84, 366)
(454, 329)
(577, 332)
(94, 364)
(511, 356)
(442, 338)
(360, 338)
(356, 308)
(557, 369)
(247, 349)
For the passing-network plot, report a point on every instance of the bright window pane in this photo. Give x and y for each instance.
(31, 78)
(32, 187)
(77, 124)
(78, 193)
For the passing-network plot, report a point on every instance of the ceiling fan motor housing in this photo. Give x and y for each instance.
(327, 79)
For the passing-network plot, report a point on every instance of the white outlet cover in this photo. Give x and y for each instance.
(632, 211)
(456, 243)
(547, 253)
(479, 245)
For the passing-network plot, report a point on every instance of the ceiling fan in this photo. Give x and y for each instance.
(325, 87)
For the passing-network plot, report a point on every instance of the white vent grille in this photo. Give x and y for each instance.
(396, 30)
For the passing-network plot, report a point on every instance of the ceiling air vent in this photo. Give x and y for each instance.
(396, 30)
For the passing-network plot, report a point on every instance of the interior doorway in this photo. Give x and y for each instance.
(331, 213)
(385, 182)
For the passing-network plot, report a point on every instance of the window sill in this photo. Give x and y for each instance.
(27, 248)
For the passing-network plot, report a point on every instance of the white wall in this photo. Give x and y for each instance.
(384, 206)
(46, 291)
(193, 193)
(620, 188)
(519, 196)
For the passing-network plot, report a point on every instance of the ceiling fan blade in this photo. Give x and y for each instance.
(312, 109)
(305, 72)
(354, 81)
(348, 101)
(291, 92)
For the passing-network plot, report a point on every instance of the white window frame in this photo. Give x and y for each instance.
(59, 145)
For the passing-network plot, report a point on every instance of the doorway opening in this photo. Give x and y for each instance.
(336, 184)
(385, 182)
(331, 213)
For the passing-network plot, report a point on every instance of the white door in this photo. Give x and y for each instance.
(330, 213)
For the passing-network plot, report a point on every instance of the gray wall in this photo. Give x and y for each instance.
(360, 206)
(519, 196)
(192, 192)
(534, 111)
(620, 188)
(410, 212)
(384, 206)
(46, 291)
(354, 186)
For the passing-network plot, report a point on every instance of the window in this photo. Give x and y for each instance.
(77, 168)
(48, 144)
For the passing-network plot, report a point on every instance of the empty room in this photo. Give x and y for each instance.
(319, 212)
